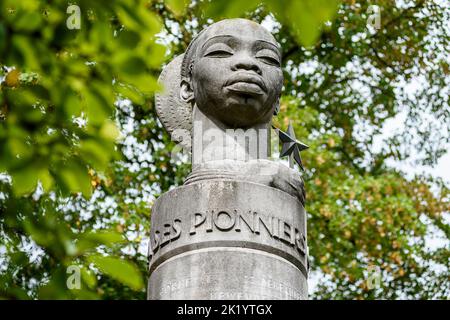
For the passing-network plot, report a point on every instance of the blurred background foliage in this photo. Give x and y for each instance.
(82, 155)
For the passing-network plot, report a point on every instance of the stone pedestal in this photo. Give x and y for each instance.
(220, 239)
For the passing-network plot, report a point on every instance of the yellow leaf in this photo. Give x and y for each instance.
(12, 78)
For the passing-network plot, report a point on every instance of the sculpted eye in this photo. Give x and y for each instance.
(269, 57)
(218, 50)
(270, 60)
(218, 54)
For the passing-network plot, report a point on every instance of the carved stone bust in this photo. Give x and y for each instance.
(232, 70)
(220, 95)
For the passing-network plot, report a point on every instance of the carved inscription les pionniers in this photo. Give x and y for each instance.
(159, 238)
(228, 221)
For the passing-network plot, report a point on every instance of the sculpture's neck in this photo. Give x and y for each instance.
(214, 141)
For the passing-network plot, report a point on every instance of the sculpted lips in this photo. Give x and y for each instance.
(247, 83)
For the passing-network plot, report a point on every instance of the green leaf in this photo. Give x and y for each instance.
(128, 39)
(91, 240)
(27, 57)
(27, 20)
(88, 277)
(132, 65)
(307, 17)
(142, 21)
(16, 153)
(24, 180)
(104, 237)
(101, 34)
(72, 104)
(109, 130)
(40, 235)
(144, 82)
(96, 107)
(2, 37)
(96, 152)
(229, 9)
(75, 178)
(128, 91)
(45, 178)
(118, 269)
(177, 6)
(56, 288)
(157, 55)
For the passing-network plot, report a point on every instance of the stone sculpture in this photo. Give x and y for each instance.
(237, 228)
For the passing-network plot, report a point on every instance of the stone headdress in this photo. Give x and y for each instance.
(174, 113)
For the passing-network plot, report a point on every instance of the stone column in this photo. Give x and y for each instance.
(220, 239)
(237, 228)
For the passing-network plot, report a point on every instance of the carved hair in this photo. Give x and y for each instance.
(189, 56)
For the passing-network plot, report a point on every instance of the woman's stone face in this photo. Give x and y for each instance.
(237, 76)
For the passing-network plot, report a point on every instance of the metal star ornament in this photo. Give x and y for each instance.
(291, 146)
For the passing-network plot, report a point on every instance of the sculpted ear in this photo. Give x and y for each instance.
(186, 91)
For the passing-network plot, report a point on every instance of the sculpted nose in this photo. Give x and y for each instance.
(245, 62)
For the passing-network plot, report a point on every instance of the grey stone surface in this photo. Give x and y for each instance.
(232, 71)
(223, 239)
(237, 228)
(261, 171)
(223, 273)
(175, 114)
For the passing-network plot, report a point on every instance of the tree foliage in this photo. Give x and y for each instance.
(84, 156)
